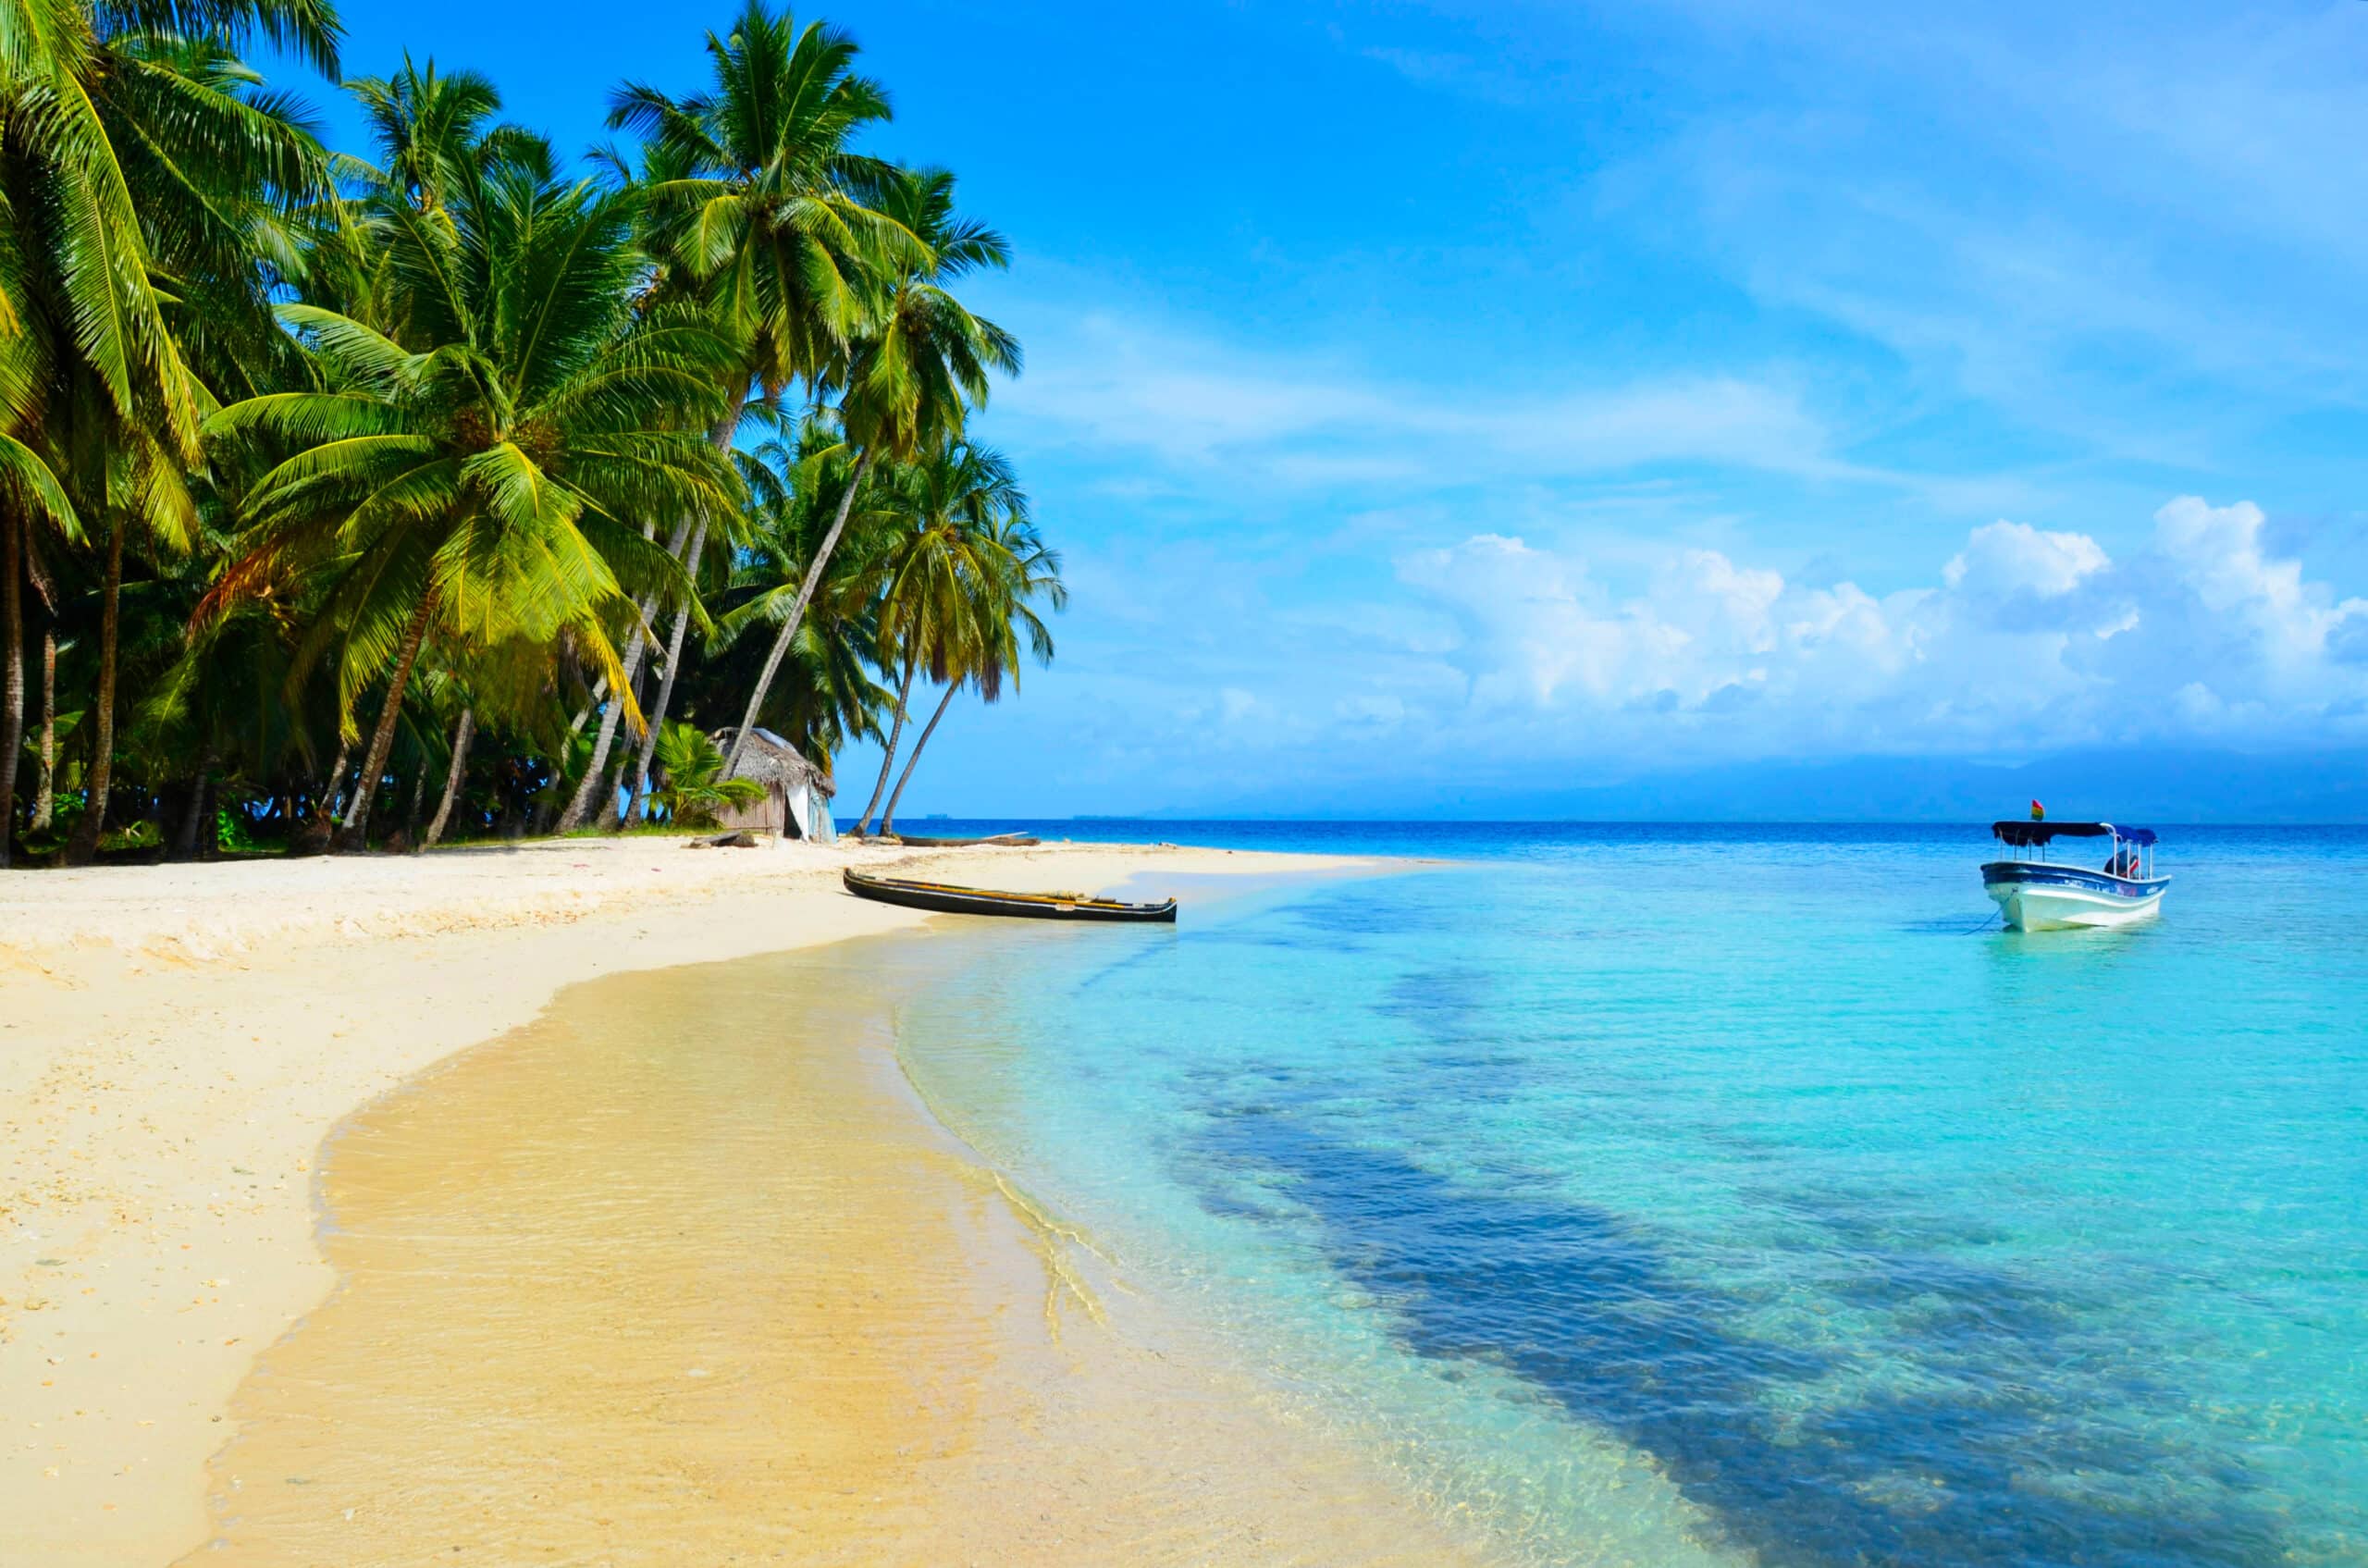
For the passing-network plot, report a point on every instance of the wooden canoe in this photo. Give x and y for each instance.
(947, 899)
(1001, 840)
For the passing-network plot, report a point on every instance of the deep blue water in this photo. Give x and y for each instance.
(1668, 1194)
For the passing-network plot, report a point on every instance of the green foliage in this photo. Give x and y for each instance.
(694, 791)
(145, 834)
(386, 439)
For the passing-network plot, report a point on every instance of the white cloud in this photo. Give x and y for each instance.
(2006, 559)
(1380, 713)
(2031, 639)
(2216, 552)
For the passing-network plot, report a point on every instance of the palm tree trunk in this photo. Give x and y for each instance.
(719, 435)
(665, 691)
(336, 777)
(353, 806)
(461, 735)
(12, 684)
(796, 614)
(418, 801)
(356, 834)
(209, 827)
(579, 806)
(888, 758)
(101, 773)
(888, 822)
(45, 786)
(185, 841)
(600, 693)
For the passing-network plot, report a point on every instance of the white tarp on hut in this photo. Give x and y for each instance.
(797, 793)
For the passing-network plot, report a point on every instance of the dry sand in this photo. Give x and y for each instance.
(175, 1043)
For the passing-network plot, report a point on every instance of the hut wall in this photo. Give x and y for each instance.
(760, 816)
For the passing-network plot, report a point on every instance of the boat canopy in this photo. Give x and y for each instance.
(2026, 836)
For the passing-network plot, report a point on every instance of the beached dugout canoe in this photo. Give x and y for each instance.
(1001, 840)
(947, 899)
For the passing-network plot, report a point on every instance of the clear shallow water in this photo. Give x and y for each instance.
(1662, 1194)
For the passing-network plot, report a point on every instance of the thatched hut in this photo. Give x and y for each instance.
(797, 793)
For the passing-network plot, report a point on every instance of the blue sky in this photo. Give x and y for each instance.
(1434, 400)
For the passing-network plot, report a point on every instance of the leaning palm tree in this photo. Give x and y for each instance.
(834, 696)
(758, 212)
(1019, 570)
(951, 497)
(922, 365)
(476, 477)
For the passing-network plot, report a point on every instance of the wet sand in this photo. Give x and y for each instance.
(682, 1272)
(175, 1041)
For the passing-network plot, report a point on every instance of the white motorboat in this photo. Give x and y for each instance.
(2036, 893)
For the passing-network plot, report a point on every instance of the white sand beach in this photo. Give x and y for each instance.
(175, 1041)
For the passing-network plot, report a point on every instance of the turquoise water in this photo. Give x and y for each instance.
(1721, 1194)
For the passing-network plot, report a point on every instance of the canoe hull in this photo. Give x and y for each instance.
(945, 899)
(995, 841)
(2039, 897)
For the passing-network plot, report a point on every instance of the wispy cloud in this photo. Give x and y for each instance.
(1454, 72)
(2098, 230)
(1188, 400)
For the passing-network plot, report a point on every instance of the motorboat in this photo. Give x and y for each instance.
(2037, 893)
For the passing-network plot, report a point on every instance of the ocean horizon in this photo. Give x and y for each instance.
(1402, 835)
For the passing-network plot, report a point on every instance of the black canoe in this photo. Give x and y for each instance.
(1003, 840)
(947, 899)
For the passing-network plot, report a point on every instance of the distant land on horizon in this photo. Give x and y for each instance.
(2115, 783)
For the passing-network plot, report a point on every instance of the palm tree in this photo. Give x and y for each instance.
(441, 501)
(695, 792)
(798, 492)
(951, 497)
(430, 129)
(1017, 570)
(474, 477)
(758, 199)
(759, 211)
(134, 148)
(921, 365)
(28, 489)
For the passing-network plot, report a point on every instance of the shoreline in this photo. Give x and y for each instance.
(178, 1042)
(711, 1283)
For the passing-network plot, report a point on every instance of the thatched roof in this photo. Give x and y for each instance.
(772, 761)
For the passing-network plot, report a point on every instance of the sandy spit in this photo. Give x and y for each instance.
(175, 1041)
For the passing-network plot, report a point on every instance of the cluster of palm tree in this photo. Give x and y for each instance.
(454, 492)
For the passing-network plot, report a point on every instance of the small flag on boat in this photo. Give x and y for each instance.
(2039, 812)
